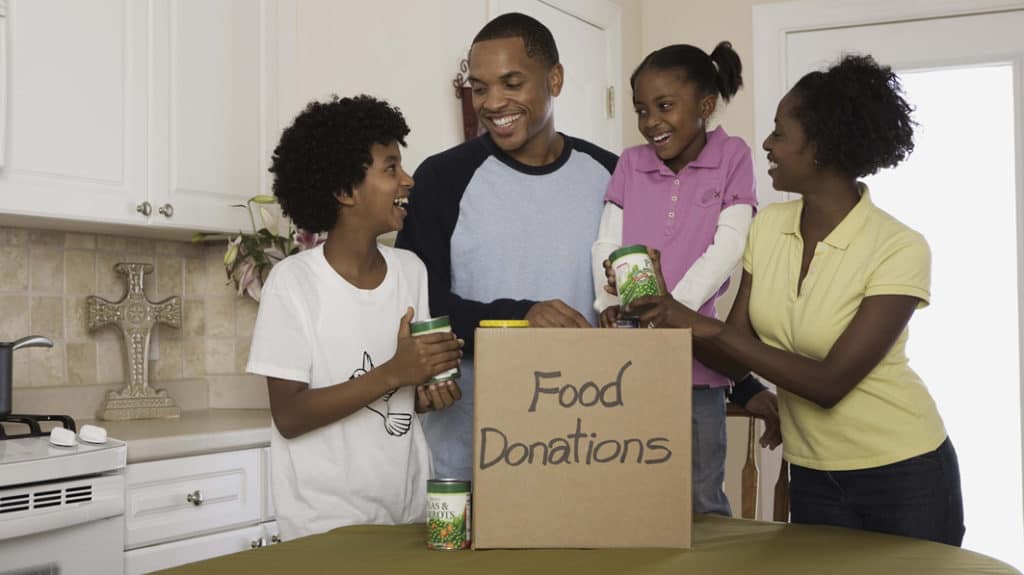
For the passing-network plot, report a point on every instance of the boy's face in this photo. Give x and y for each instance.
(512, 94)
(383, 194)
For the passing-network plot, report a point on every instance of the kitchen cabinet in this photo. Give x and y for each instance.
(186, 509)
(158, 114)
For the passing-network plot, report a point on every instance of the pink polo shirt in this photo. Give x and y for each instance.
(678, 213)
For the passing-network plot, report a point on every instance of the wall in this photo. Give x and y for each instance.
(46, 277)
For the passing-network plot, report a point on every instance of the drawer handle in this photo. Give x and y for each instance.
(195, 498)
(257, 543)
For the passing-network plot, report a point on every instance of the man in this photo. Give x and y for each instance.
(505, 222)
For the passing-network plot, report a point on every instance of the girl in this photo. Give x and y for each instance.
(689, 193)
(830, 282)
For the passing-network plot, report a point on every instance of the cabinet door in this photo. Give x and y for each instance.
(76, 114)
(167, 555)
(214, 98)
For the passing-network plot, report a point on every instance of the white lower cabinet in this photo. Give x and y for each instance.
(188, 509)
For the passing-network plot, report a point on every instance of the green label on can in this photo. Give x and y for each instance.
(634, 274)
(435, 325)
(448, 515)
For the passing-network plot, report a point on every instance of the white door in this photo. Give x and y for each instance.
(588, 38)
(963, 72)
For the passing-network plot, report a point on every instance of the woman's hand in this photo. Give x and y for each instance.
(663, 311)
(437, 396)
(766, 405)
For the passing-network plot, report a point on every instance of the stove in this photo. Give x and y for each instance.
(61, 508)
(29, 425)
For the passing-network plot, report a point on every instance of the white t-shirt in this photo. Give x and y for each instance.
(313, 326)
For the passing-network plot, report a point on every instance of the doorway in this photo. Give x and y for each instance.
(961, 66)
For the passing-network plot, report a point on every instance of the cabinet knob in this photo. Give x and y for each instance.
(195, 498)
(145, 208)
(167, 210)
(257, 543)
(275, 538)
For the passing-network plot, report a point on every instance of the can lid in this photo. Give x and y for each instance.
(429, 324)
(625, 251)
(448, 485)
(504, 323)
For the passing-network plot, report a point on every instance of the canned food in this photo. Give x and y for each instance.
(634, 274)
(436, 325)
(504, 323)
(448, 514)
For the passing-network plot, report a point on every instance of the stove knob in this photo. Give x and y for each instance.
(195, 498)
(257, 543)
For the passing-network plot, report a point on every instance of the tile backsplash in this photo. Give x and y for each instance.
(45, 276)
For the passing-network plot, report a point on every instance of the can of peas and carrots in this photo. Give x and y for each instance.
(448, 514)
(634, 274)
(436, 325)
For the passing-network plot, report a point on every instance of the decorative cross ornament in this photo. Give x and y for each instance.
(135, 316)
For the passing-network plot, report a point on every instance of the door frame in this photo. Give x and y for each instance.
(772, 23)
(607, 16)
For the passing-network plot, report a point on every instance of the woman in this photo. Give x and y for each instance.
(829, 285)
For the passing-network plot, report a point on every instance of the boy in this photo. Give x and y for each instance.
(346, 446)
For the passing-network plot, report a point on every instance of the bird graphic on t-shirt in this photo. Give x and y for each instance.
(396, 423)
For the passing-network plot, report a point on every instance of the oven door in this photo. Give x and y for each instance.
(51, 529)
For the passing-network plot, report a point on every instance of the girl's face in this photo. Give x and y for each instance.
(790, 155)
(670, 114)
(384, 192)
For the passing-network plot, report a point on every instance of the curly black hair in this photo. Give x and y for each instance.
(720, 72)
(325, 152)
(856, 115)
(536, 37)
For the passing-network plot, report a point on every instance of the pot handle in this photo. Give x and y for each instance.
(32, 341)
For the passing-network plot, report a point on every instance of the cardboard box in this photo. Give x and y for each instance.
(582, 438)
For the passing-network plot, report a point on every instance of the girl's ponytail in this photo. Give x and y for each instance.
(728, 70)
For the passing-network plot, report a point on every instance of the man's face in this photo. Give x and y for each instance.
(512, 93)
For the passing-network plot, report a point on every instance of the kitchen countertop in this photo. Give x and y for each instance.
(194, 433)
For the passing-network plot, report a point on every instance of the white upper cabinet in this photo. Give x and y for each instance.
(157, 113)
(76, 110)
(212, 110)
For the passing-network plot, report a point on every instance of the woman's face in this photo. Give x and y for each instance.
(790, 155)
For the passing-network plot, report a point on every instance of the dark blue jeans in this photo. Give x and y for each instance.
(917, 497)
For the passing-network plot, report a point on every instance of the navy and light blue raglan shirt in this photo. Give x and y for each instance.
(498, 236)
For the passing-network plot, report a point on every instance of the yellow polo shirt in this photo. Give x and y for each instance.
(887, 417)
